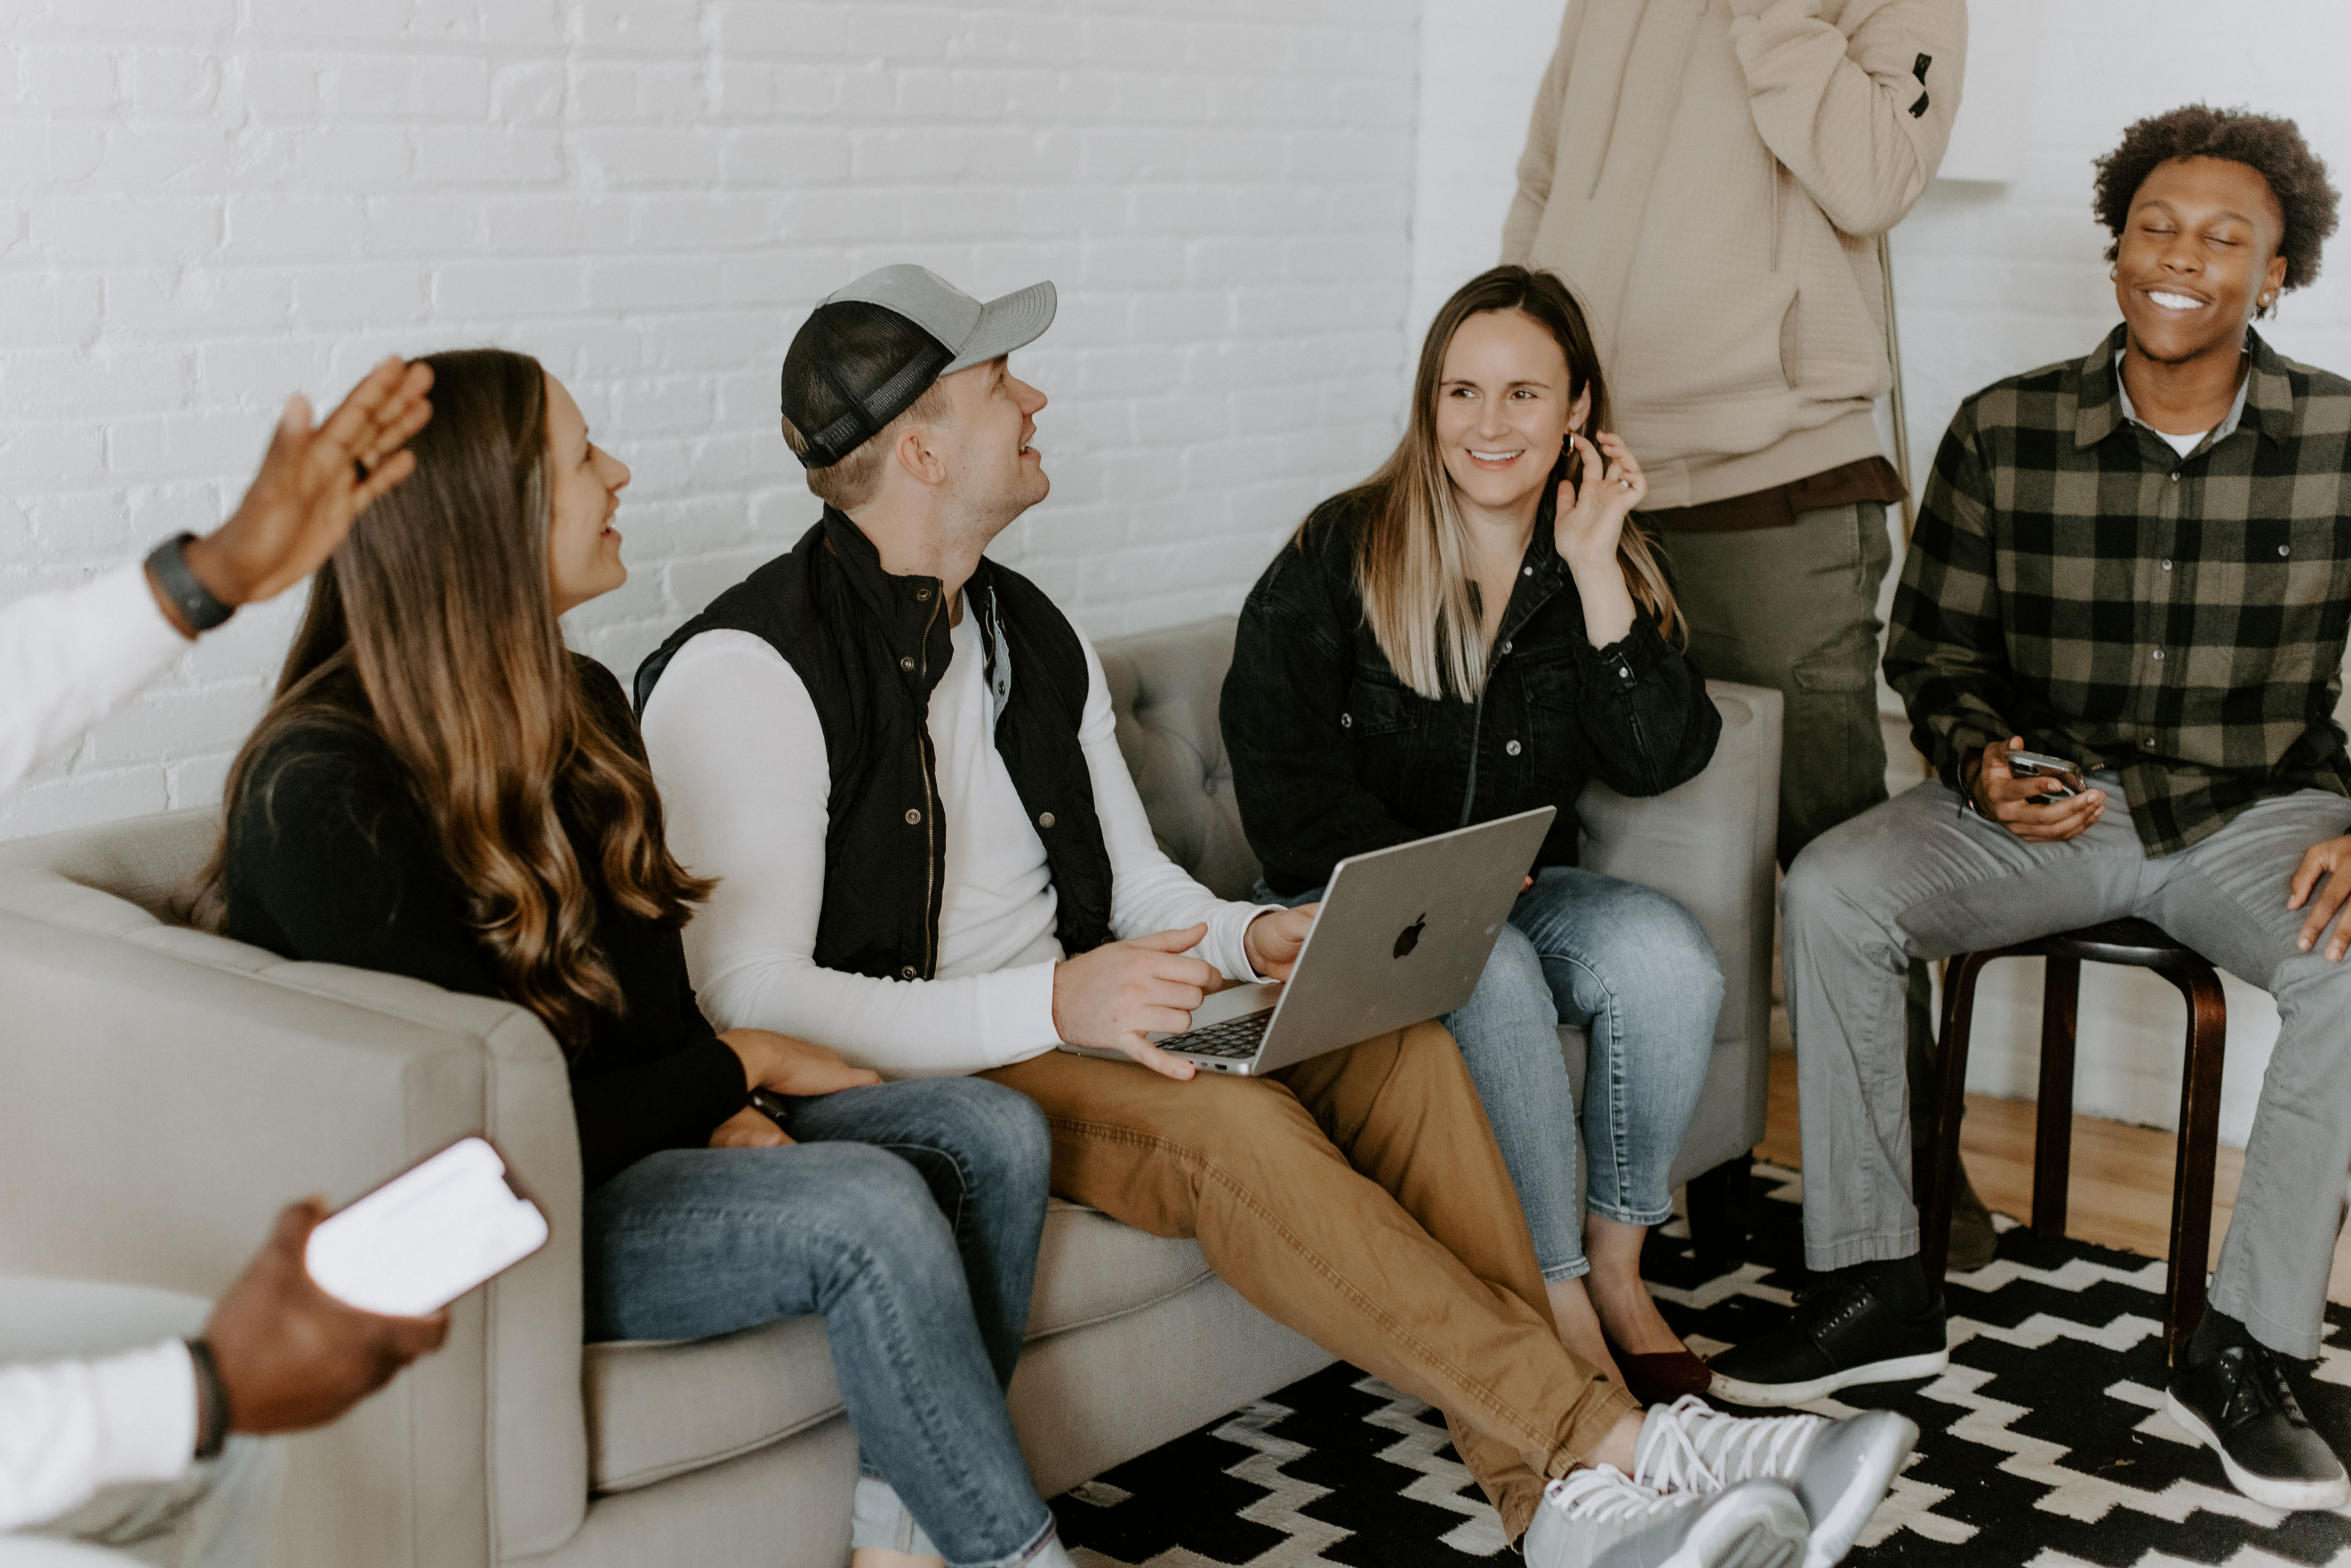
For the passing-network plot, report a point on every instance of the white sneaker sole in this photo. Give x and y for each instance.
(1899, 1369)
(1758, 1528)
(2292, 1496)
(1833, 1536)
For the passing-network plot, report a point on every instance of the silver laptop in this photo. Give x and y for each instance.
(1403, 934)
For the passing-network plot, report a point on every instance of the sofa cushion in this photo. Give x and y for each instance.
(660, 1408)
(1164, 687)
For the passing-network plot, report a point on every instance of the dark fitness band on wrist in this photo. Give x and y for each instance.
(213, 1413)
(167, 565)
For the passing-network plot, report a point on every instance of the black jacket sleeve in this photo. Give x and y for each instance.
(1293, 774)
(1648, 723)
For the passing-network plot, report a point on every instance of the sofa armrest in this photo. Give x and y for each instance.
(1710, 844)
(164, 1093)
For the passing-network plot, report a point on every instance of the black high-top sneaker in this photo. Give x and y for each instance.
(1844, 1332)
(2236, 1401)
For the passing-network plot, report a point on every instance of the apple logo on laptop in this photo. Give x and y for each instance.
(1409, 938)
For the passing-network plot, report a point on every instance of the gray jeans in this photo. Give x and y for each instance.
(1917, 878)
(1796, 609)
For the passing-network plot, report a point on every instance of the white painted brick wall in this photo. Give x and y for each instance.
(212, 202)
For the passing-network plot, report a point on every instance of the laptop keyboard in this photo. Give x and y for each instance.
(1235, 1040)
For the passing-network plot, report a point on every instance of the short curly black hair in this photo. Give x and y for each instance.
(2271, 146)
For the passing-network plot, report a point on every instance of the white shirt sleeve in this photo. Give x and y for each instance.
(1149, 891)
(69, 1427)
(66, 658)
(739, 755)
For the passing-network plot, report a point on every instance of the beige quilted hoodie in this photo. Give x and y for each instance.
(1709, 176)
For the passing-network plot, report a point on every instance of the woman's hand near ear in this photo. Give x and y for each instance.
(1591, 521)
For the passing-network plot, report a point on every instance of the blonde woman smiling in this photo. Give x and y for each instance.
(1476, 629)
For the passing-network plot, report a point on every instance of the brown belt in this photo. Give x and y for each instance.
(1866, 479)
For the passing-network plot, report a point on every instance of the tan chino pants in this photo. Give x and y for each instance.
(1358, 1199)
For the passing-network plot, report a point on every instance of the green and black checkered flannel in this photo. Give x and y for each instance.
(2181, 619)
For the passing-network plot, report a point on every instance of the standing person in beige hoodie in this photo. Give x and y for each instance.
(1710, 176)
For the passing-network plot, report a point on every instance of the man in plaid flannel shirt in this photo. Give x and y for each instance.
(2138, 562)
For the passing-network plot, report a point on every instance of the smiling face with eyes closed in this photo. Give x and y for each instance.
(1503, 412)
(584, 483)
(2197, 257)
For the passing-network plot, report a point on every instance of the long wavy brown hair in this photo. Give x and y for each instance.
(432, 629)
(1412, 547)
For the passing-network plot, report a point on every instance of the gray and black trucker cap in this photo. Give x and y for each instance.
(870, 350)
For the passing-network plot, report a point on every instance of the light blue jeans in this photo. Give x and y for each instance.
(908, 1214)
(1634, 969)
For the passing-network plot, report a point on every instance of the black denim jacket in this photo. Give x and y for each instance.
(1334, 755)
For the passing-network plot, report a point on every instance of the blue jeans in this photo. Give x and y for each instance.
(908, 1214)
(1632, 967)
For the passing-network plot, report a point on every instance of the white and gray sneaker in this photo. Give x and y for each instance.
(1601, 1518)
(1840, 1470)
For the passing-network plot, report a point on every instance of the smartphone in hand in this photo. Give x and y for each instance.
(427, 1236)
(2060, 779)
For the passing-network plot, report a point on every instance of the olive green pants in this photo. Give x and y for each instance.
(1795, 608)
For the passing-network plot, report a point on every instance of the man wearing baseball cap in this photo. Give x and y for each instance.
(898, 758)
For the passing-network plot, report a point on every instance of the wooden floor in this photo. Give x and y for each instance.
(2120, 1194)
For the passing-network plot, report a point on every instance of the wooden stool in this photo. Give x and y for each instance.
(2141, 945)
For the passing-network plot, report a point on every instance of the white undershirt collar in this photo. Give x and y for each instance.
(2184, 444)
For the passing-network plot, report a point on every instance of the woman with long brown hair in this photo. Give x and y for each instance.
(1478, 629)
(441, 789)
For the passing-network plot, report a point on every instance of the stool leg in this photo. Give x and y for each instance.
(2192, 1174)
(1943, 1163)
(2052, 1133)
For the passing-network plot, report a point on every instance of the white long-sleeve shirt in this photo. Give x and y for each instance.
(68, 1428)
(739, 755)
(66, 658)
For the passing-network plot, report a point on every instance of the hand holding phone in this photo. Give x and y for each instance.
(289, 1355)
(2065, 779)
(2021, 798)
(427, 1236)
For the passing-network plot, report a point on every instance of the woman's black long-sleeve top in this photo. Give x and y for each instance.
(331, 859)
(1334, 755)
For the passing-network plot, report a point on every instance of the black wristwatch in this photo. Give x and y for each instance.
(167, 565)
(213, 1413)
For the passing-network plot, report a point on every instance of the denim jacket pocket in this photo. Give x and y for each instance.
(1379, 704)
(1551, 681)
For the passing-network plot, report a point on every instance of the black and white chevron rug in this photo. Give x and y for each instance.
(2045, 1443)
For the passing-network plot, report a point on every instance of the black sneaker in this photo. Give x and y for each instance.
(2237, 1403)
(1844, 1332)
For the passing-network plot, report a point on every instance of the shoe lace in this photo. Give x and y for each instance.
(2266, 1386)
(1603, 1492)
(1824, 1295)
(1689, 1445)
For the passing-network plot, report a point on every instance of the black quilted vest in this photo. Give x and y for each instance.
(869, 647)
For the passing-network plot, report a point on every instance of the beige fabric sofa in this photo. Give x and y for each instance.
(163, 1091)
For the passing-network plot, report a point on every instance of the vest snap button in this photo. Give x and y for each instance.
(907, 973)
(906, 664)
(912, 816)
(1044, 819)
(1512, 749)
(923, 595)
(1346, 721)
